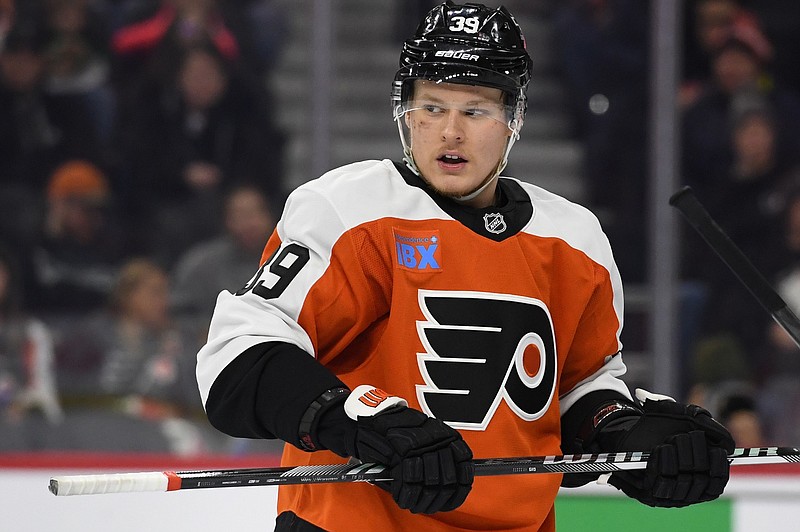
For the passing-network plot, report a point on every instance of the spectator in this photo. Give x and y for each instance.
(709, 24)
(147, 48)
(779, 20)
(719, 367)
(743, 202)
(739, 72)
(81, 246)
(755, 144)
(143, 381)
(77, 58)
(759, 162)
(604, 62)
(37, 130)
(29, 400)
(144, 354)
(184, 23)
(226, 262)
(739, 413)
(204, 127)
(738, 138)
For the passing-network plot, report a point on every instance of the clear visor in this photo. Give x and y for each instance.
(478, 112)
(431, 111)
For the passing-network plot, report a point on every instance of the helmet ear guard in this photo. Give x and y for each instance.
(468, 44)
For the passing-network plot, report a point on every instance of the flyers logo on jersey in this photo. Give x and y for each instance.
(418, 251)
(483, 349)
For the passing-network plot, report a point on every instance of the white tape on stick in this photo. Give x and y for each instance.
(110, 483)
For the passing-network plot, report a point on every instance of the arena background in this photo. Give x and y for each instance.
(330, 85)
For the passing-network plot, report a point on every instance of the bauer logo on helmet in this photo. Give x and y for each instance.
(457, 54)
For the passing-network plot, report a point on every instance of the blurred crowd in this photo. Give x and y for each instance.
(739, 120)
(140, 170)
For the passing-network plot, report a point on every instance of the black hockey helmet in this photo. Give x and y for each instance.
(469, 44)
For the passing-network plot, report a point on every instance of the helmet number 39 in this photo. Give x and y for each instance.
(465, 24)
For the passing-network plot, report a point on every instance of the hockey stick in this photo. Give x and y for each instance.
(571, 463)
(696, 214)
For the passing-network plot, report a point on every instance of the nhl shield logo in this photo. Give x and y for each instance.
(494, 222)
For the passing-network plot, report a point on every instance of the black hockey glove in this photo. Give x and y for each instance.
(688, 452)
(429, 461)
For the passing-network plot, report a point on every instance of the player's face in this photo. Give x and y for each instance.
(458, 134)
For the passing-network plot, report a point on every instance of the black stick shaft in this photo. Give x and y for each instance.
(324, 474)
(698, 217)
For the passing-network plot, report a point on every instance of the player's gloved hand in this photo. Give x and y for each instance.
(688, 453)
(429, 461)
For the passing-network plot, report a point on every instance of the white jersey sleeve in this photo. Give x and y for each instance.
(267, 312)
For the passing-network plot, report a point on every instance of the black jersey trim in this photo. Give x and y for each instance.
(515, 206)
(264, 392)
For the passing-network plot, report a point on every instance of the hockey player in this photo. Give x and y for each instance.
(425, 312)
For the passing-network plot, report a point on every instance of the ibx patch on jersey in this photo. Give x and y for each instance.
(418, 251)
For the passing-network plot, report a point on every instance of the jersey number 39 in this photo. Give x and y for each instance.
(282, 267)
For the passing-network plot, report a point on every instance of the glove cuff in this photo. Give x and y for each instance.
(318, 407)
(604, 415)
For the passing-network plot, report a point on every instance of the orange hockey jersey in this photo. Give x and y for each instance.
(493, 320)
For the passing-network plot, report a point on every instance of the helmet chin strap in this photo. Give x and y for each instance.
(408, 157)
(475, 193)
(514, 126)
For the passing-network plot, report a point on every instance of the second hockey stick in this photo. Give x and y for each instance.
(698, 217)
(319, 474)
